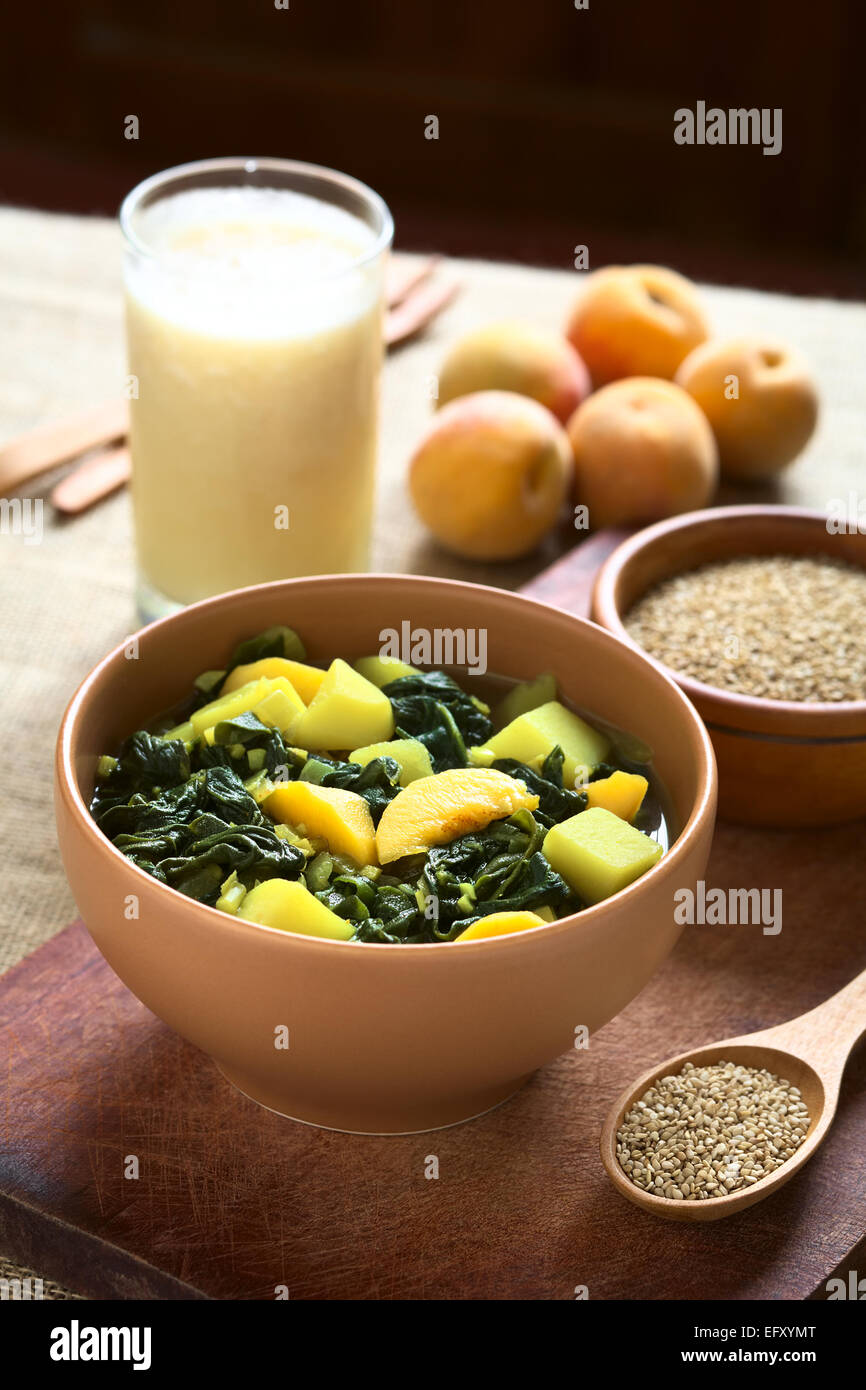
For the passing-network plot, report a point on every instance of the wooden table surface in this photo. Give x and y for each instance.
(230, 1201)
(65, 602)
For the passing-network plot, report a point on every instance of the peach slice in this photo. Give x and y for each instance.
(499, 924)
(435, 810)
(621, 792)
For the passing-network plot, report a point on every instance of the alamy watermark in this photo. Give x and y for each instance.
(853, 1288)
(735, 126)
(732, 907)
(22, 516)
(77, 1343)
(437, 646)
(846, 516)
(21, 1290)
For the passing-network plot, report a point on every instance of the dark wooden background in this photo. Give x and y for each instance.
(556, 124)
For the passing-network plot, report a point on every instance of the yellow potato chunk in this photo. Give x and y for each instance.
(621, 792)
(185, 732)
(522, 698)
(239, 701)
(347, 711)
(598, 854)
(435, 810)
(290, 906)
(499, 924)
(276, 703)
(382, 669)
(342, 819)
(305, 679)
(533, 735)
(481, 757)
(412, 756)
(281, 706)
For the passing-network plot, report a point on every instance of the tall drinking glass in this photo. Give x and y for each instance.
(254, 293)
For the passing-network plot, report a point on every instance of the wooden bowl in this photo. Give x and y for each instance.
(780, 763)
(383, 1039)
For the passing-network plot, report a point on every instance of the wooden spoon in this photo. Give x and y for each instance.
(98, 476)
(809, 1051)
(419, 307)
(44, 448)
(403, 276)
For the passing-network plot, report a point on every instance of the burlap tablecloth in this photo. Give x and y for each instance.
(66, 601)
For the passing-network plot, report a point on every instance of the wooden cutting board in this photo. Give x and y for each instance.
(231, 1201)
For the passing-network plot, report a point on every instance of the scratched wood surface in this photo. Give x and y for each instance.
(231, 1201)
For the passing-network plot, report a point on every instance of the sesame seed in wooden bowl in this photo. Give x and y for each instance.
(759, 614)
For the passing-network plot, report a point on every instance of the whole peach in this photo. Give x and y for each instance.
(759, 398)
(643, 450)
(516, 357)
(635, 320)
(490, 476)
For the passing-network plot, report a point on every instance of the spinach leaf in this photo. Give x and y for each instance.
(556, 803)
(551, 768)
(244, 728)
(648, 818)
(191, 836)
(246, 746)
(146, 761)
(274, 641)
(395, 917)
(350, 896)
(398, 910)
(498, 869)
(378, 782)
(208, 683)
(431, 707)
(374, 931)
(601, 770)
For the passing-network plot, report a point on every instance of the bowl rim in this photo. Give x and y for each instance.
(68, 790)
(730, 711)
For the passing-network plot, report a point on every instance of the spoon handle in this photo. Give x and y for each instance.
(42, 449)
(825, 1035)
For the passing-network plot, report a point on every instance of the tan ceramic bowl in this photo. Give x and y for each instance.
(383, 1039)
(780, 763)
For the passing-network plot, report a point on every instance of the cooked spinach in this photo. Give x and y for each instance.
(498, 869)
(383, 908)
(601, 770)
(247, 746)
(431, 707)
(188, 813)
(555, 802)
(493, 870)
(144, 764)
(274, 641)
(350, 896)
(192, 834)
